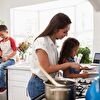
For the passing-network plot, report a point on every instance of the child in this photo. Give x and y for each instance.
(7, 53)
(67, 54)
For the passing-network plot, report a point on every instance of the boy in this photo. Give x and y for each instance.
(7, 54)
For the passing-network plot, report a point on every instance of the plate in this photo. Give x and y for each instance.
(93, 74)
(94, 64)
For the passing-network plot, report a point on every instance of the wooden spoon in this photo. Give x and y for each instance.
(50, 78)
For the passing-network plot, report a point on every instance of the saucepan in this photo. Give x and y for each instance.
(59, 89)
(68, 92)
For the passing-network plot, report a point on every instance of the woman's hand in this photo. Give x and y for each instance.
(84, 68)
(85, 75)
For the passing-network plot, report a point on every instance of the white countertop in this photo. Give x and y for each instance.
(19, 66)
(25, 66)
(80, 99)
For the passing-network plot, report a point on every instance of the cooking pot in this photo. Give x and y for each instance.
(67, 92)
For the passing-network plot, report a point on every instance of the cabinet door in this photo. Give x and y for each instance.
(17, 91)
(17, 84)
(19, 75)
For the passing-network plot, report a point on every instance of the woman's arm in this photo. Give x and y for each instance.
(72, 75)
(44, 62)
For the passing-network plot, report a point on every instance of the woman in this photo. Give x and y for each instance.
(45, 53)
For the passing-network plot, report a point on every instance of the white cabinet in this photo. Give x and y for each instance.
(17, 84)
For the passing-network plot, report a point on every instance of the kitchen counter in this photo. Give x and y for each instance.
(81, 99)
(42, 97)
(20, 66)
(18, 76)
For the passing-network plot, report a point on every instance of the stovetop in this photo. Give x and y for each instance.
(81, 88)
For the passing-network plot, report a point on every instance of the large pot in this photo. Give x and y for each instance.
(68, 92)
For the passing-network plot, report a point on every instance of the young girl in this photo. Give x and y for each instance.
(67, 54)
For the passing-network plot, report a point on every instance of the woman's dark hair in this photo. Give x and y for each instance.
(3, 28)
(59, 21)
(67, 47)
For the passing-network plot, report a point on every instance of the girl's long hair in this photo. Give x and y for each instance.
(59, 21)
(67, 47)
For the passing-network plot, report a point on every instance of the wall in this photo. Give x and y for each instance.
(96, 42)
(5, 6)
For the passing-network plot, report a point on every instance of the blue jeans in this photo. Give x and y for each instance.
(35, 87)
(3, 65)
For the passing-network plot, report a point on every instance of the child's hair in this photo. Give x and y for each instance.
(67, 47)
(3, 28)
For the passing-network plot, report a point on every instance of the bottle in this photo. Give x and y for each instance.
(78, 58)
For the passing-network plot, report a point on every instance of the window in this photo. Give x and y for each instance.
(32, 20)
(22, 23)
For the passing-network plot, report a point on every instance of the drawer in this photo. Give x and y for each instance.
(17, 90)
(17, 84)
(19, 75)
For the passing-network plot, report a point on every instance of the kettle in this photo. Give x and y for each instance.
(93, 92)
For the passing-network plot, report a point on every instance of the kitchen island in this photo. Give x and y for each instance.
(18, 77)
